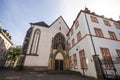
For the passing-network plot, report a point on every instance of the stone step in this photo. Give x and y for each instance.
(63, 72)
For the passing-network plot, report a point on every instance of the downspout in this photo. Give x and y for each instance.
(99, 63)
(90, 35)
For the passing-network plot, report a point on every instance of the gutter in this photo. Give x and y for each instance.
(90, 35)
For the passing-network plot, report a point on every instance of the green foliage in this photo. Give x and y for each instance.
(14, 52)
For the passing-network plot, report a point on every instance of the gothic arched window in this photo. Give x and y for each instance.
(59, 39)
(26, 41)
(35, 42)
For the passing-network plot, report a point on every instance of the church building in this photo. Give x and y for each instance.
(91, 46)
(45, 46)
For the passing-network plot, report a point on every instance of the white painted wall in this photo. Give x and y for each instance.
(98, 42)
(83, 44)
(45, 43)
(112, 45)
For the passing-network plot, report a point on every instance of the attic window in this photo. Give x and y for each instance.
(59, 22)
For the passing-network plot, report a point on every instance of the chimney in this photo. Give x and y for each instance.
(87, 10)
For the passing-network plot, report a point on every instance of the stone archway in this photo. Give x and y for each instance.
(59, 62)
(52, 58)
(58, 46)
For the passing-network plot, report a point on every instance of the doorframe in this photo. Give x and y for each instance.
(59, 64)
(64, 58)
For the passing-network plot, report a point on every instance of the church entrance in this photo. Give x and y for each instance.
(58, 64)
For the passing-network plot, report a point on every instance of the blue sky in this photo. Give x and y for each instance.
(16, 15)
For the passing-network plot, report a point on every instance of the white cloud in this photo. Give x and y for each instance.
(70, 9)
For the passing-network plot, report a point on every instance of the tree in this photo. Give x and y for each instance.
(14, 52)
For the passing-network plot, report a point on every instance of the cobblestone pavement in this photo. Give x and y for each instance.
(24, 75)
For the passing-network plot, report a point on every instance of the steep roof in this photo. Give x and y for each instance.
(62, 19)
(42, 23)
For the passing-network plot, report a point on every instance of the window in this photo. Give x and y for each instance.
(59, 39)
(83, 59)
(26, 41)
(94, 19)
(98, 32)
(73, 42)
(107, 23)
(117, 25)
(78, 36)
(112, 35)
(107, 58)
(75, 61)
(71, 31)
(118, 53)
(68, 35)
(68, 45)
(76, 24)
(35, 42)
(70, 62)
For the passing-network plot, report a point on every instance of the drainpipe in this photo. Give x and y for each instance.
(90, 34)
(98, 66)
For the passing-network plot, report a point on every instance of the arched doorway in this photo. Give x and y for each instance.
(59, 61)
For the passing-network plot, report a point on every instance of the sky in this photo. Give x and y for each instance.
(15, 15)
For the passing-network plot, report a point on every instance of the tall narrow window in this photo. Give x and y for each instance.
(68, 45)
(78, 36)
(117, 25)
(26, 41)
(73, 42)
(76, 24)
(35, 42)
(107, 58)
(83, 59)
(94, 19)
(107, 23)
(112, 35)
(98, 32)
(70, 62)
(118, 53)
(68, 35)
(75, 61)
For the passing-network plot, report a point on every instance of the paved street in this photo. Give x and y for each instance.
(24, 75)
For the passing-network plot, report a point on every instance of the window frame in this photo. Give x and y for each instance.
(76, 24)
(75, 61)
(34, 41)
(112, 35)
(98, 32)
(117, 25)
(94, 19)
(107, 58)
(107, 22)
(71, 31)
(70, 62)
(73, 42)
(83, 62)
(118, 53)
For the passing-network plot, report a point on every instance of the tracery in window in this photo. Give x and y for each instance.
(59, 40)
